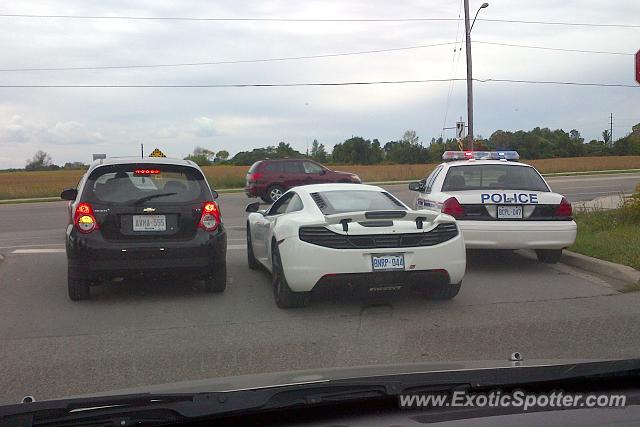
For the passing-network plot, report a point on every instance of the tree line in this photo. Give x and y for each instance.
(538, 143)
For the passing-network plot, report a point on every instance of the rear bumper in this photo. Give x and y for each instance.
(306, 264)
(92, 256)
(253, 190)
(518, 235)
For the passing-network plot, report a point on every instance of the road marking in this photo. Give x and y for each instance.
(57, 251)
(236, 240)
(38, 251)
(31, 246)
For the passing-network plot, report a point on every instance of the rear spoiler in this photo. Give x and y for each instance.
(419, 217)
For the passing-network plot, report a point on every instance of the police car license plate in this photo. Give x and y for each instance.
(149, 223)
(387, 262)
(509, 212)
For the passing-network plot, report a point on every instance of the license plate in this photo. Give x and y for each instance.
(510, 212)
(387, 262)
(149, 223)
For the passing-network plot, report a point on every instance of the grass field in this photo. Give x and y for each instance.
(611, 235)
(16, 185)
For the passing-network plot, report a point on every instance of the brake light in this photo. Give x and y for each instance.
(452, 207)
(210, 218)
(564, 209)
(84, 219)
(255, 176)
(146, 171)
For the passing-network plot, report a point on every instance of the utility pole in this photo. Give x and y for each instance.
(141, 150)
(611, 130)
(467, 28)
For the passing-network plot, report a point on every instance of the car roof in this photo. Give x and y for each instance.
(142, 160)
(484, 162)
(284, 159)
(319, 188)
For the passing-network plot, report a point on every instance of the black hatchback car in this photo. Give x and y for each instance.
(132, 216)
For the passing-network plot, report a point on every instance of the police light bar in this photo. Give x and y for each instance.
(480, 155)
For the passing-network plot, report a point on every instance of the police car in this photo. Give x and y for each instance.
(499, 203)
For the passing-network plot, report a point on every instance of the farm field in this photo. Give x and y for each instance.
(16, 185)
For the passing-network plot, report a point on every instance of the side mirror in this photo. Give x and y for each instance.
(416, 186)
(323, 172)
(215, 194)
(69, 194)
(252, 207)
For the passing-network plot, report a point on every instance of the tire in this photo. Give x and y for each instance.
(549, 256)
(78, 287)
(252, 261)
(265, 199)
(274, 192)
(445, 292)
(217, 282)
(284, 296)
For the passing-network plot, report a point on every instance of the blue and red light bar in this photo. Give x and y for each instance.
(480, 155)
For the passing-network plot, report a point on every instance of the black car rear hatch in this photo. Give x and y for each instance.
(141, 202)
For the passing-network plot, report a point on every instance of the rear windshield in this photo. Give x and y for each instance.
(254, 167)
(130, 184)
(498, 177)
(332, 202)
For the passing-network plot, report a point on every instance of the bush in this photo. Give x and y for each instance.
(630, 210)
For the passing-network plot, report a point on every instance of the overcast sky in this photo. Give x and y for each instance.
(72, 123)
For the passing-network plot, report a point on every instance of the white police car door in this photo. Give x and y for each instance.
(423, 199)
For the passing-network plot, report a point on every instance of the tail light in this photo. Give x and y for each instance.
(255, 176)
(84, 219)
(564, 209)
(210, 218)
(452, 207)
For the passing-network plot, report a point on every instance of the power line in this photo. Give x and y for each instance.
(563, 23)
(295, 58)
(453, 69)
(211, 19)
(241, 61)
(358, 83)
(555, 48)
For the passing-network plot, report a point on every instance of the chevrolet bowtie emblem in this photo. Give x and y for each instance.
(149, 210)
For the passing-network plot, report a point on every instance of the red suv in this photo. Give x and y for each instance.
(269, 179)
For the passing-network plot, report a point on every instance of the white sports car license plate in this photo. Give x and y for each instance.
(387, 262)
(510, 212)
(149, 223)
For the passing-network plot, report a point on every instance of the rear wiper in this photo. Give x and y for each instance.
(153, 196)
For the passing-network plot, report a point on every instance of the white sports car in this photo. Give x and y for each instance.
(353, 235)
(499, 203)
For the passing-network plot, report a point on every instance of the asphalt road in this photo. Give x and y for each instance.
(134, 333)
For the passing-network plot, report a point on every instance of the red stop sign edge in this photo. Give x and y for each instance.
(638, 66)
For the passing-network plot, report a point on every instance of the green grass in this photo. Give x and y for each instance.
(611, 235)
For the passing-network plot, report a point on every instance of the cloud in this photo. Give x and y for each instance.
(70, 133)
(15, 130)
(21, 130)
(203, 127)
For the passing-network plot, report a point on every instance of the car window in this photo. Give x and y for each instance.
(254, 167)
(292, 167)
(124, 184)
(431, 178)
(274, 167)
(310, 167)
(280, 206)
(342, 201)
(499, 177)
(295, 204)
